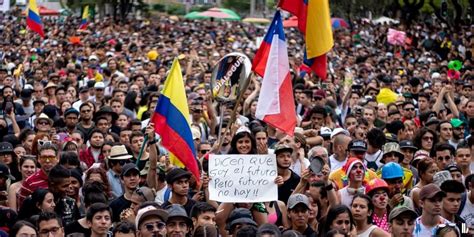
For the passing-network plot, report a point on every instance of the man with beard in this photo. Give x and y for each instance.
(47, 158)
(93, 154)
(86, 125)
(7, 95)
(71, 116)
(458, 132)
(178, 181)
(130, 179)
(431, 197)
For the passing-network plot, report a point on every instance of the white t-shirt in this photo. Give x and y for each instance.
(160, 195)
(468, 212)
(423, 231)
(296, 166)
(335, 164)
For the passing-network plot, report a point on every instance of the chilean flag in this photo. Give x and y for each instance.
(276, 105)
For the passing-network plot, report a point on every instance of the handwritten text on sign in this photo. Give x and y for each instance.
(243, 178)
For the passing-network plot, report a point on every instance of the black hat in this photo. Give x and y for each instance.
(408, 144)
(5, 172)
(26, 94)
(129, 167)
(106, 110)
(175, 174)
(39, 102)
(358, 145)
(6, 147)
(83, 89)
(71, 111)
(240, 216)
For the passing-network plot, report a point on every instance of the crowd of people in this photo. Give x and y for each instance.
(390, 128)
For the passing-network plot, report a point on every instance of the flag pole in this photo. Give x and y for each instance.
(234, 112)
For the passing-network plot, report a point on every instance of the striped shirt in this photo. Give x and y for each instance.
(36, 181)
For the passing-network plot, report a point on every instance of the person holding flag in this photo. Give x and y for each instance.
(85, 18)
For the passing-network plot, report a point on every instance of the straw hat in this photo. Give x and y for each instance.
(51, 85)
(43, 116)
(119, 153)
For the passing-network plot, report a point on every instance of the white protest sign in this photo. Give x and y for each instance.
(243, 178)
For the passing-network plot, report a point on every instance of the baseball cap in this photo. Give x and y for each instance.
(6, 147)
(268, 229)
(407, 144)
(453, 168)
(456, 122)
(5, 172)
(325, 132)
(127, 168)
(99, 85)
(431, 191)
(320, 94)
(338, 131)
(400, 210)
(83, 89)
(282, 148)
(26, 94)
(358, 145)
(71, 111)
(148, 212)
(296, 199)
(93, 57)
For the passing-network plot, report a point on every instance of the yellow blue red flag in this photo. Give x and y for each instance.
(33, 19)
(85, 18)
(171, 119)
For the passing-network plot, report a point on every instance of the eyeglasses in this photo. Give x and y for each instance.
(44, 142)
(409, 109)
(53, 231)
(121, 162)
(427, 138)
(47, 158)
(151, 226)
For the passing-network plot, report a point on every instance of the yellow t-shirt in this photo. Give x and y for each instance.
(386, 96)
(407, 178)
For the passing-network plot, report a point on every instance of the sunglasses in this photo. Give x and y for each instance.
(46, 158)
(43, 123)
(44, 142)
(151, 226)
(409, 109)
(427, 138)
(141, 194)
(204, 151)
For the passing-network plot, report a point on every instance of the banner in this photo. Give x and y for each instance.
(243, 178)
(4, 5)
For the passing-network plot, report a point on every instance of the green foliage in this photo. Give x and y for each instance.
(176, 9)
(238, 5)
(159, 7)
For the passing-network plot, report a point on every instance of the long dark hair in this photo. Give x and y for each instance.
(419, 135)
(239, 135)
(30, 205)
(333, 213)
(370, 205)
(129, 101)
(18, 225)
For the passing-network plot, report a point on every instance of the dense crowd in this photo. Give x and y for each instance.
(390, 129)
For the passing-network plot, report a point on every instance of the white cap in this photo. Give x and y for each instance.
(109, 54)
(196, 133)
(243, 129)
(435, 75)
(93, 57)
(325, 131)
(99, 85)
(338, 131)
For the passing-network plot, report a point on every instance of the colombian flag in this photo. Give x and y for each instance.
(33, 20)
(85, 18)
(314, 21)
(171, 119)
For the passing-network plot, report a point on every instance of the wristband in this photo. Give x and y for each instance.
(151, 142)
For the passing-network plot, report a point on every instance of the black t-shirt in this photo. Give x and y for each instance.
(75, 227)
(188, 206)
(285, 190)
(117, 206)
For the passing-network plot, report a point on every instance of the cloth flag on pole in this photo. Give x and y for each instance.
(314, 21)
(85, 18)
(171, 119)
(33, 19)
(276, 104)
